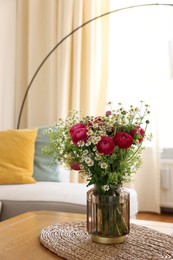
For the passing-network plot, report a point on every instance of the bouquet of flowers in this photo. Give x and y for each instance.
(107, 149)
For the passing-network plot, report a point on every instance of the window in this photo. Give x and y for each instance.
(141, 63)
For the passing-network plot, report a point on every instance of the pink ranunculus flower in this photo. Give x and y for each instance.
(98, 119)
(123, 140)
(90, 124)
(80, 134)
(76, 126)
(138, 133)
(105, 145)
(108, 113)
(75, 166)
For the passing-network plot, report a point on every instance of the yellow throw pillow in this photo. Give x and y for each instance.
(17, 149)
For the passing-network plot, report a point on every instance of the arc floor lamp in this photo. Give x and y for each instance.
(68, 35)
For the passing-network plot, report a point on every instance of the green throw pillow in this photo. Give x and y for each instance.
(44, 169)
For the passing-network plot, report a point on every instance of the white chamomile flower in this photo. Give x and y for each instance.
(95, 140)
(69, 119)
(103, 165)
(88, 143)
(87, 159)
(80, 143)
(85, 152)
(89, 162)
(94, 149)
(98, 138)
(105, 187)
(95, 124)
(97, 157)
(90, 132)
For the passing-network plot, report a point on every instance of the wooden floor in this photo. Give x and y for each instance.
(163, 217)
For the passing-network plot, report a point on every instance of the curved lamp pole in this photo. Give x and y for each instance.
(63, 39)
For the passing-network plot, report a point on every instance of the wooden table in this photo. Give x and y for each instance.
(19, 236)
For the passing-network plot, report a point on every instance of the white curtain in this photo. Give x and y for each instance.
(7, 63)
(72, 76)
(32, 28)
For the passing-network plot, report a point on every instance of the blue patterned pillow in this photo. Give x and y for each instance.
(44, 169)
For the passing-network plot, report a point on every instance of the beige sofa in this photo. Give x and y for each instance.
(57, 196)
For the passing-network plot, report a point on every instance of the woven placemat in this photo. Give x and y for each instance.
(71, 240)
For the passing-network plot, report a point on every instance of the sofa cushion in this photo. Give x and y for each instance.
(17, 155)
(44, 168)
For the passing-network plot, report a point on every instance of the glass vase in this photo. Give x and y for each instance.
(108, 216)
